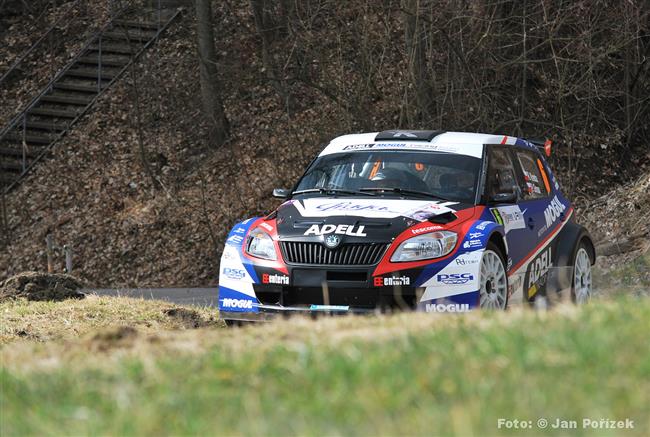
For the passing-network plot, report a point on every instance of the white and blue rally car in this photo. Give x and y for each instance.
(426, 220)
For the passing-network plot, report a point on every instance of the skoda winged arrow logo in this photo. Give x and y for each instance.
(332, 241)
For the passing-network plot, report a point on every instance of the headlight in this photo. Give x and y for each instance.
(260, 244)
(427, 246)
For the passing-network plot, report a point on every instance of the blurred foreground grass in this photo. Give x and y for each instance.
(403, 374)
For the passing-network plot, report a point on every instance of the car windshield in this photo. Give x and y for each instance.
(394, 173)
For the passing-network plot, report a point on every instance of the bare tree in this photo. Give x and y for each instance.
(210, 91)
(416, 35)
(266, 29)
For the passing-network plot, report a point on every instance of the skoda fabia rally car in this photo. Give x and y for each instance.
(425, 220)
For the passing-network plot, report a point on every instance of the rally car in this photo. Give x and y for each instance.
(424, 220)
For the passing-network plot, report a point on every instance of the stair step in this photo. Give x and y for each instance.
(66, 100)
(112, 62)
(123, 35)
(92, 74)
(11, 151)
(49, 126)
(61, 113)
(116, 48)
(29, 138)
(12, 166)
(7, 178)
(142, 24)
(77, 87)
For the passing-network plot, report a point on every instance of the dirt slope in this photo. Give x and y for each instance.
(95, 196)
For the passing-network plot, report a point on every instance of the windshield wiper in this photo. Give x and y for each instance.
(332, 191)
(403, 191)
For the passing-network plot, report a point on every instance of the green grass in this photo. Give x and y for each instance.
(405, 374)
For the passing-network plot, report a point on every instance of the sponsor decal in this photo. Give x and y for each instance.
(474, 235)
(430, 210)
(266, 226)
(513, 284)
(455, 278)
(350, 230)
(329, 307)
(472, 244)
(239, 230)
(358, 147)
(234, 273)
(245, 222)
(511, 217)
(509, 265)
(446, 307)
(353, 206)
(235, 239)
(227, 254)
(237, 303)
(466, 261)
(378, 208)
(425, 229)
(380, 281)
(542, 230)
(553, 211)
(537, 271)
(481, 226)
(275, 279)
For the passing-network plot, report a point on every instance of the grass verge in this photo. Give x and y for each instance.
(404, 374)
(69, 319)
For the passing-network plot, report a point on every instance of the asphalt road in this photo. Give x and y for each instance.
(182, 296)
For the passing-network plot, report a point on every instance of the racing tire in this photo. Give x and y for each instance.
(581, 283)
(493, 279)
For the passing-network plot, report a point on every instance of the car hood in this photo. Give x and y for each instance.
(357, 219)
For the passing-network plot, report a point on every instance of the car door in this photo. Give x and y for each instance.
(535, 200)
(503, 177)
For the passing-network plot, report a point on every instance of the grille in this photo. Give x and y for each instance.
(363, 254)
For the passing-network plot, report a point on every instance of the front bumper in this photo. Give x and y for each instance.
(267, 313)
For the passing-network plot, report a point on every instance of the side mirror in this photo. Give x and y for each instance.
(507, 197)
(281, 193)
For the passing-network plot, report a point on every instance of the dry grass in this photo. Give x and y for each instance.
(405, 374)
(71, 319)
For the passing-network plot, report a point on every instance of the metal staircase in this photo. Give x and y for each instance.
(30, 135)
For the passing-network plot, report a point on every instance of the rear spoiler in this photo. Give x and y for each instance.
(544, 146)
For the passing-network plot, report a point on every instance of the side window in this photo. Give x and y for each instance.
(501, 173)
(536, 183)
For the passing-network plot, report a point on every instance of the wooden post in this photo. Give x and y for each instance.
(68, 258)
(4, 222)
(50, 246)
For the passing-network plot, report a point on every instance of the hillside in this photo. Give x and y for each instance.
(126, 229)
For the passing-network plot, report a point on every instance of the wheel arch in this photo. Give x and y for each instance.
(569, 240)
(499, 240)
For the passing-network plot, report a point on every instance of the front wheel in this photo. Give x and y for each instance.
(582, 282)
(493, 280)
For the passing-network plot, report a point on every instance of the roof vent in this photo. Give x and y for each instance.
(410, 135)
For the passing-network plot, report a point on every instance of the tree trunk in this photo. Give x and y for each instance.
(417, 58)
(210, 92)
(265, 29)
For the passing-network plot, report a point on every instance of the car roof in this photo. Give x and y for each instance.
(461, 143)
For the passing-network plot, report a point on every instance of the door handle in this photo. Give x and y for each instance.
(531, 223)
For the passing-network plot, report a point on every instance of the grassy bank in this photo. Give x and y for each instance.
(405, 374)
(70, 319)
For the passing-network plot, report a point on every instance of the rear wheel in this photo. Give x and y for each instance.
(493, 280)
(582, 282)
